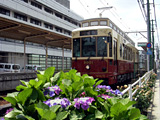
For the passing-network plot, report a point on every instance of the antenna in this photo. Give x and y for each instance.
(103, 8)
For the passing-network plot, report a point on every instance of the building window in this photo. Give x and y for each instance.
(48, 10)
(25, 1)
(36, 22)
(19, 16)
(58, 29)
(67, 32)
(67, 19)
(4, 11)
(58, 15)
(36, 5)
(49, 26)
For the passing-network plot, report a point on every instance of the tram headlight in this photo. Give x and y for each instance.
(87, 67)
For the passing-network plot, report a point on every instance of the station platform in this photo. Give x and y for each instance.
(154, 110)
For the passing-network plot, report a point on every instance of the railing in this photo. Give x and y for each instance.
(145, 78)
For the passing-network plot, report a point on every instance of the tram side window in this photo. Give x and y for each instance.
(120, 50)
(89, 47)
(115, 52)
(110, 47)
(76, 47)
(102, 46)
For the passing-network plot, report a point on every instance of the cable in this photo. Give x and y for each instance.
(84, 7)
(143, 13)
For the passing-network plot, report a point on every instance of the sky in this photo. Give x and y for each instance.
(126, 14)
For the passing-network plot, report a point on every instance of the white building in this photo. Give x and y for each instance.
(53, 16)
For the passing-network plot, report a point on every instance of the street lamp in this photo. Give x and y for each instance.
(104, 8)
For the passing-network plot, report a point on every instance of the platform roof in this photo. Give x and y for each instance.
(33, 33)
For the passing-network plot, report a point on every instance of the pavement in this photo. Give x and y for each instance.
(154, 110)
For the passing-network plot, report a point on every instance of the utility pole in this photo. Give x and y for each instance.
(153, 56)
(149, 60)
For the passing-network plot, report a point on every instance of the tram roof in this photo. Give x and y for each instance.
(19, 30)
(91, 28)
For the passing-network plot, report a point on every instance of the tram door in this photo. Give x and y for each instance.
(115, 58)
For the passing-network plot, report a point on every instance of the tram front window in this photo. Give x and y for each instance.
(89, 47)
(76, 47)
(102, 46)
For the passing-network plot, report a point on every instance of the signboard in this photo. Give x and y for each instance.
(149, 52)
(148, 45)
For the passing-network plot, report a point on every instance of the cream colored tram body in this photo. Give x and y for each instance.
(101, 49)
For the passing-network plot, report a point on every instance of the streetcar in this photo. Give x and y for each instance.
(102, 50)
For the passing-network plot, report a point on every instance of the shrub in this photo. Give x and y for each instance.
(69, 96)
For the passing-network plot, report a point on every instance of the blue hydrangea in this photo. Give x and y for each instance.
(83, 102)
(64, 102)
(52, 91)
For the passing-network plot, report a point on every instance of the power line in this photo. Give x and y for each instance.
(84, 6)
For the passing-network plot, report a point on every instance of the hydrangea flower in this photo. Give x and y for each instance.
(64, 102)
(104, 96)
(2, 119)
(9, 110)
(83, 102)
(52, 90)
(115, 92)
(103, 87)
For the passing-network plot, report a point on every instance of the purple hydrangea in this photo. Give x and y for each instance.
(115, 92)
(104, 87)
(9, 110)
(83, 102)
(52, 90)
(2, 119)
(104, 96)
(64, 102)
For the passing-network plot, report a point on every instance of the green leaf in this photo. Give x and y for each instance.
(46, 114)
(55, 108)
(42, 77)
(99, 82)
(24, 82)
(143, 117)
(23, 96)
(42, 105)
(66, 82)
(77, 85)
(33, 97)
(20, 87)
(23, 117)
(56, 77)
(49, 72)
(48, 84)
(117, 109)
(11, 100)
(32, 82)
(62, 115)
(90, 117)
(41, 95)
(13, 114)
(76, 115)
(98, 114)
(134, 113)
(89, 80)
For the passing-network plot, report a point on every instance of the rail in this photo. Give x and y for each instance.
(145, 78)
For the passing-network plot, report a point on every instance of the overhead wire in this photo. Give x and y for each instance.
(84, 7)
(156, 21)
(143, 11)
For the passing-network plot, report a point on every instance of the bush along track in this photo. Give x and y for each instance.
(144, 95)
(69, 96)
